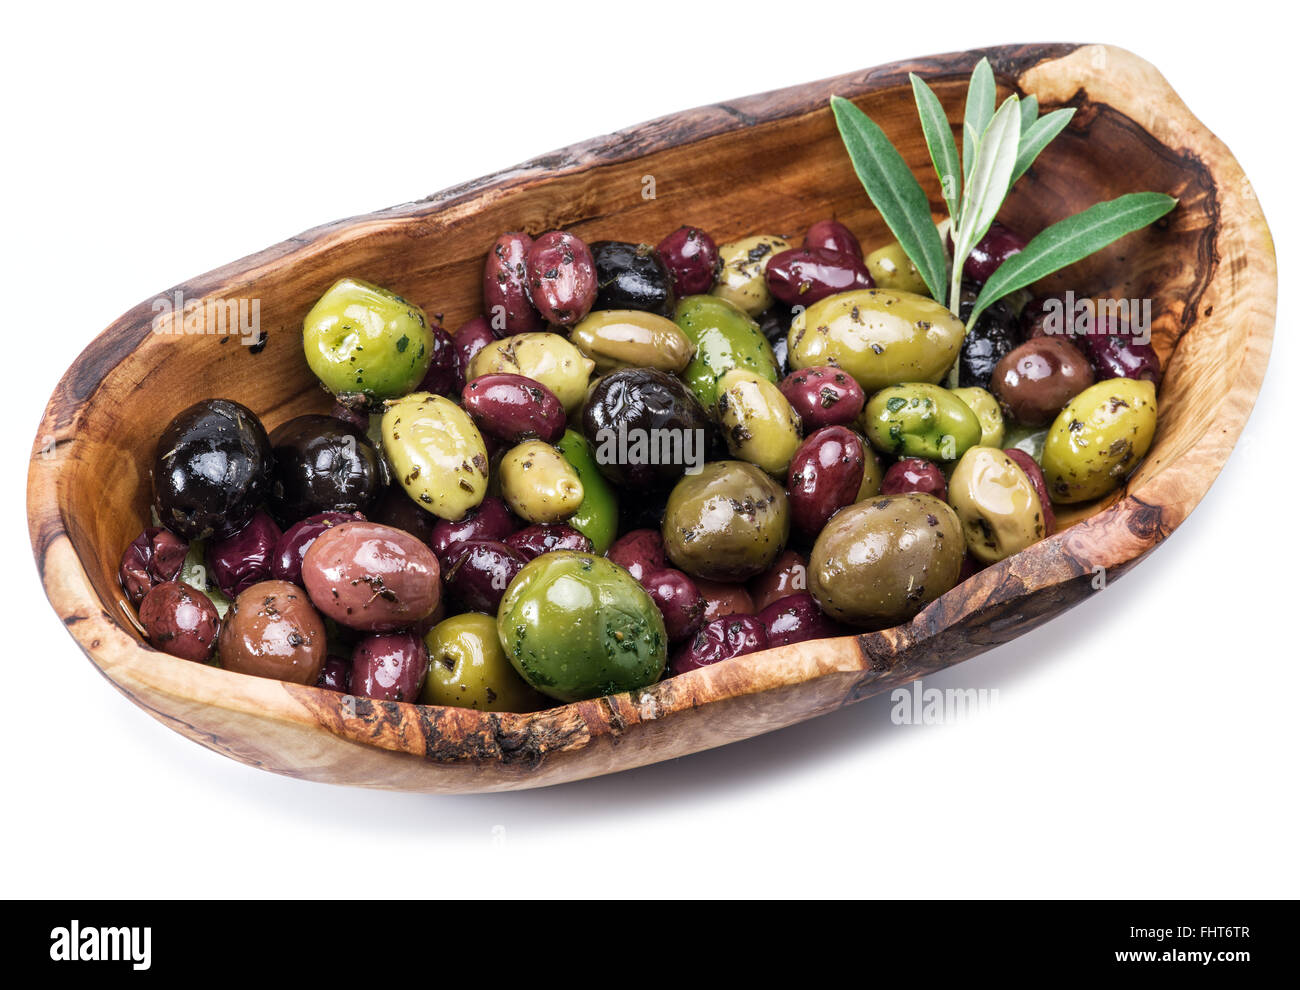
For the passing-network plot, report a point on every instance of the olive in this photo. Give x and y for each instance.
(823, 397)
(468, 668)
(364, 340)
(993, 337)
(539, 484)
(1035, 475)
(803, 276)
(371, 577)
(724, 337)
(787, 576)
(533, 541)
(239, 561)
(576, 626)
(446, 374)
(152, 558)
(336, 675)
(879, 562)
(389, 666)
(729, 522)
(742, 280)
(479, 572)
(913, 474)
(825, 476)
(272, 631)
(321, 465)
(891, 268)
(723, 598)
(1098, 438)
(513, 408)
(505, 287)
(879, 336)
(489, 520)
(796, 619)
(691, 257)
(395, 508)
(759, 424)
(597, 516)
(995, 247)
(873, 474)
(1035, 381)
(544, 357)
(920, 420)
(987, 411)
(437, 453)
(644, 428)
(211, 471)
(180, 620)
(355, 415)
(627, 338)
(286, 558)
(639, 552)
(632, 276)
(471, 338)
(834, 236)
(679, 601)
(561, 277)
(721, 639)
(997, 504)
(774, 323)
(1119, 355)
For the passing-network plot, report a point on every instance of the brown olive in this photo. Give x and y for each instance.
(180, 620)
(1035, 381)
(272, 631)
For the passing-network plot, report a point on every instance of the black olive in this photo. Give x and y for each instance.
(995, 335)
(212, 469)
(322, 464)
(632, 276)
(775, 323)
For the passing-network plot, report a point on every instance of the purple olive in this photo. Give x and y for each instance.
(389, 666)
(825, 475)
(561, 277)
(796, 618)
(514, 408)
(180, 620)
(335, 675)
(722, 639)
(357, 418)
(533, 541)
(803, 276)
(679, 601)
(995, 247)
(154, 557)
(479, 572)
(286, 559)
(639, 552)
(823, 396)
(472, 338)
(1116, 354)
(914, 474)
(505, 290)
(833, 235)
(446, 375)
(691, 257)
(240, 561)
(1035, 475)
(489, 520)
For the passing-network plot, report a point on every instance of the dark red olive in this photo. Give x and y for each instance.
(639, 552)
(356, 417)
(153, 557)
(446, 375)
(180, 620)
(561, 277)
(397, 509)
(995, 247)
(721, 598)
(335, 675)
(1035, 475)
(389, 666)
(823, 396)
(489, 520)
(240, 561)
(825, 475)
(679, 601)
(472, 338)
(722, 639)
(286, 559)
(479, 572)
(505, 290)
(691, 257)
(802, 276)
(787, 576)
(835, 236)
(1116, 353)
(514, 408)
(913, 474)
(533, 541)
(796, 618)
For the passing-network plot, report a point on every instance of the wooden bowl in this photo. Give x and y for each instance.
(773, 163)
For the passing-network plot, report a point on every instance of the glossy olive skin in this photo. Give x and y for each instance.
(995, 335)
(873, 473)
(272, 631)
(240, 561)
(995, 247)
(912, 474)
(724, 337)
(758, 422)
(513, 408)
(533, 541)
(211, 471)
(1035, 381)
(721, 639)
(774, 323)
(152, 558)
(834, 236)
(879, 336)
(879, 562)
(371, 577)
(362, 339)
(679, 602)
(389, 666)
(491, 519)
(825, 476)
(471, 338)
(180, 620)
(639, 552)
(1118, 355)
(446, 374)
(437, 453)
(544, 357)
(597, 516)
(478, 573)
(742, 279)
(997, 504)
(336, 675)
(986, 409)
(787, 576)
(562, 280)
(891, 268)
(1035, 475)
(539, 484)
(321, 465)
(644, 428)
(721, 598)
(628, 338)
(506, 303)
(395, 508)
(577, 626)
(1098, 439)
(803, 276)
(920, 420)
(796, 619)
(632, 276)
(727, 523)
(823, 396)
(468, 668)
(691, 257)
(293, 544)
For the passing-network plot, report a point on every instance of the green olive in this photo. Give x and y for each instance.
(724, 337)
(597, 516)
(539, 484)
(743, 279)
(879, 336)
(920, 420)
(987, 411)
(873, 474)
(362, 339)
(879, 562)
(997, 504)
(1098, 438)
(758, 421)
(437, 453)
(542, 356)
(891, 268)
(469, 669)
(630, 338)
(728, 523)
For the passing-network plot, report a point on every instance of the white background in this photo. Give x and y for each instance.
(1143, 744)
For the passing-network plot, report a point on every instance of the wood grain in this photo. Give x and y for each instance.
(771, 162)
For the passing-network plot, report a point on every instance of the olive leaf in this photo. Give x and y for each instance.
(895, 192)
(939, 139)
(1028, 114)
(1041, 133)
(981, 97)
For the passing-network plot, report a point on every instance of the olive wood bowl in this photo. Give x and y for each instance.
(771, 162)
